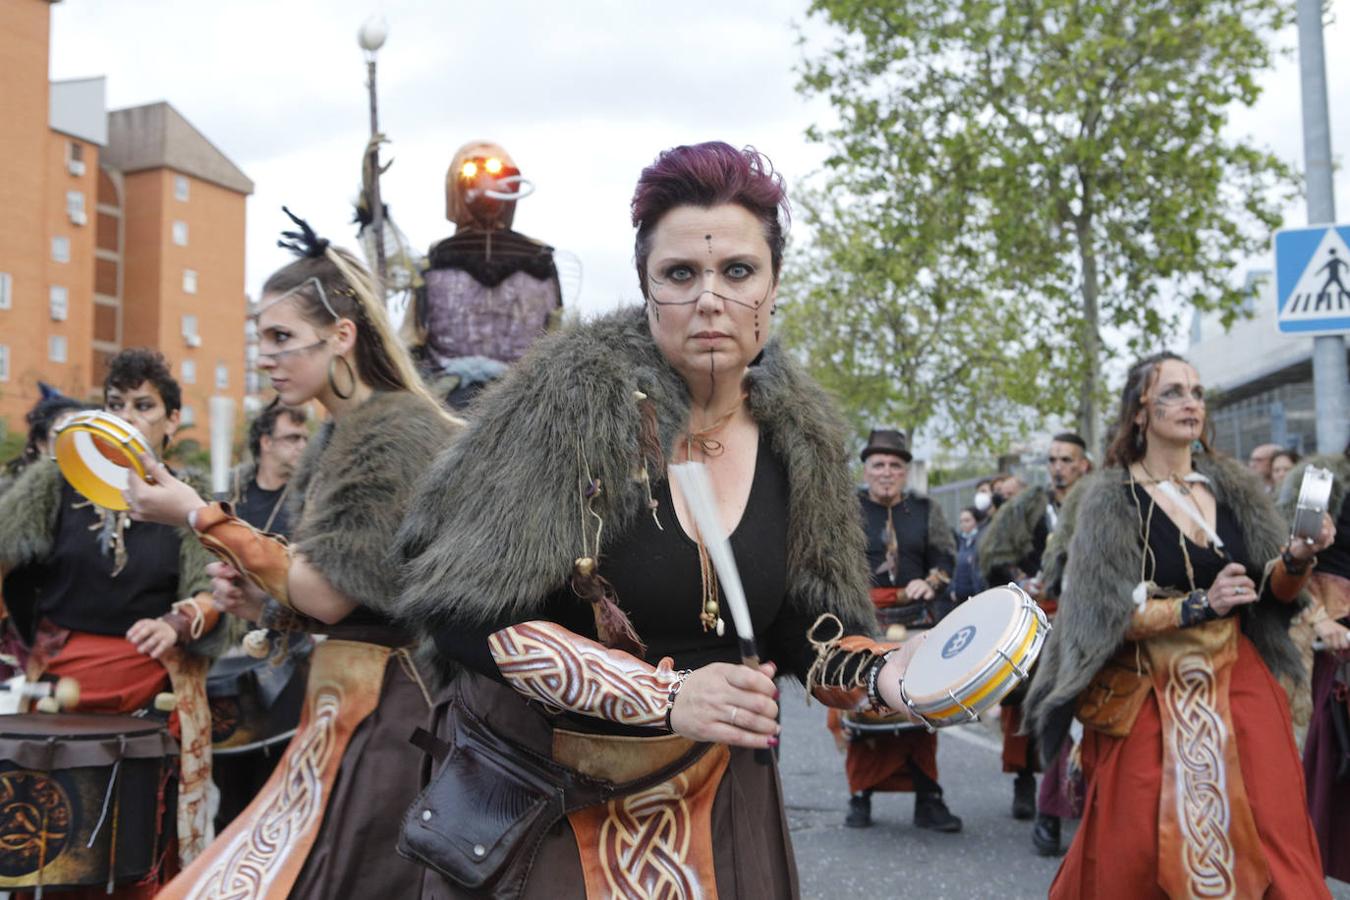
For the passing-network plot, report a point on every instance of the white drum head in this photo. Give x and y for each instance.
(963, 644)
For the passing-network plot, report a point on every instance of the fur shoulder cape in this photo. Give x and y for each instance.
(28, 516)
(1338, 463)
(500, 518)
(1011, 533)
(28, 513)
(1105, 558)
(1057, 545)
(352, 487)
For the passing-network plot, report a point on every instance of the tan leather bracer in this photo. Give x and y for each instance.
(265, 559)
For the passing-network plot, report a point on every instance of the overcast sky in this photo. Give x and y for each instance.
(583, 94)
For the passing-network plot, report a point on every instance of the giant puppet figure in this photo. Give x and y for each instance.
(488, 292)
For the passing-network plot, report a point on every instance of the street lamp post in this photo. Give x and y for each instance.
(371, 37)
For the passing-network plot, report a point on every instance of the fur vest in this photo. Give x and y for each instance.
(1338, 463)
(1105, 557)
(354, 483)
(1011, 532)
(500, 518)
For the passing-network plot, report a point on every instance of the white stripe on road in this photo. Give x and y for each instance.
(973, 734)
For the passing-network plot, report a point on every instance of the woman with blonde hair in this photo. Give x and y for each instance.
(335, 801)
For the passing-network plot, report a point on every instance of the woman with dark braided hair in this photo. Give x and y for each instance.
(125, 610)
(1173, 626)
(326, 824)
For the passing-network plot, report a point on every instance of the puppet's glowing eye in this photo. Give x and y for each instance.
(469, 169)
(493, 166)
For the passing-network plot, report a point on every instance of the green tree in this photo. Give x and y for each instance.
(1017, 177)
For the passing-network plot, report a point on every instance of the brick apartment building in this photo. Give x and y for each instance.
(120, 229)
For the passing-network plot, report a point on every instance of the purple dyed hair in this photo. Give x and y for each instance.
(708, 175)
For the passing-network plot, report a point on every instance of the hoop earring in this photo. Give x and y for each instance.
(1138, 438)
(351, 376)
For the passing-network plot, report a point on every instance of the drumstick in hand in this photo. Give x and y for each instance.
(692, 477)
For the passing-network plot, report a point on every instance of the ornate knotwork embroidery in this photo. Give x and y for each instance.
(35, 821)
(1202, 779)
(644, 845)
(548, 663)
(247, 868)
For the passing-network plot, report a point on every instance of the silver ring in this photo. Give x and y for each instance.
(735, 710)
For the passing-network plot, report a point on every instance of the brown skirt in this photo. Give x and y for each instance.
(752, 851)
(274, 849)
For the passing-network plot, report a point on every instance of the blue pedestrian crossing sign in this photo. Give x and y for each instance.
(1312, 279)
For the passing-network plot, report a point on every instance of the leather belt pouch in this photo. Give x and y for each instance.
(489, 804)
(1112, 700)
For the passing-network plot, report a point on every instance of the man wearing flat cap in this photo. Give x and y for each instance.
(910, 553)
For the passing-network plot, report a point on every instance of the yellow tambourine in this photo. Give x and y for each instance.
(97, 453)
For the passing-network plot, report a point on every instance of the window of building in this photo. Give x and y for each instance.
(4, 363)
(75, 207)
(180, 187)
(180, 233)
(60, 249)
(189, 369)
(222, 376)
(188, 416)
(189, 281)
(75, 158)
(6, 290)
(56, 348)
(189, 326)
(59, 301)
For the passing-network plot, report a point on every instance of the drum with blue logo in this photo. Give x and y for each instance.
(974, 657)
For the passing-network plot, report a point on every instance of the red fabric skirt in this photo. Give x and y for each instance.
(113, 677)
(881, 763)
(1115, 851)
(1018, 755)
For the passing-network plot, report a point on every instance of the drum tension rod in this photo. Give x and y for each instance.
(971, 715)
(1021, 674)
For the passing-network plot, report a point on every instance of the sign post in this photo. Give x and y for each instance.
(1331, 390)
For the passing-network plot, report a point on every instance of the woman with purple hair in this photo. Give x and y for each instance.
(560, 579)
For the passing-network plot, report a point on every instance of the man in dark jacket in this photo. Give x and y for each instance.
(259, 490)
(910, 553)
(1012, 549)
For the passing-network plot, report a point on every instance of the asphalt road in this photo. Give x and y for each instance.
(991, 857)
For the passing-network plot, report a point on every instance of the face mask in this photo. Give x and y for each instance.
(998, 500)
(967, 532)
(983, 502)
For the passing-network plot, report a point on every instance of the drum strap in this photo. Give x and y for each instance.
(1207, 839)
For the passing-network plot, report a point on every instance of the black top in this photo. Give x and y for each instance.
(1033, 562)
(75, 586)
(256, 506)
(492, 257)
(1335, 560)
(655, 574)
(1165, 538)
(916, 556)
